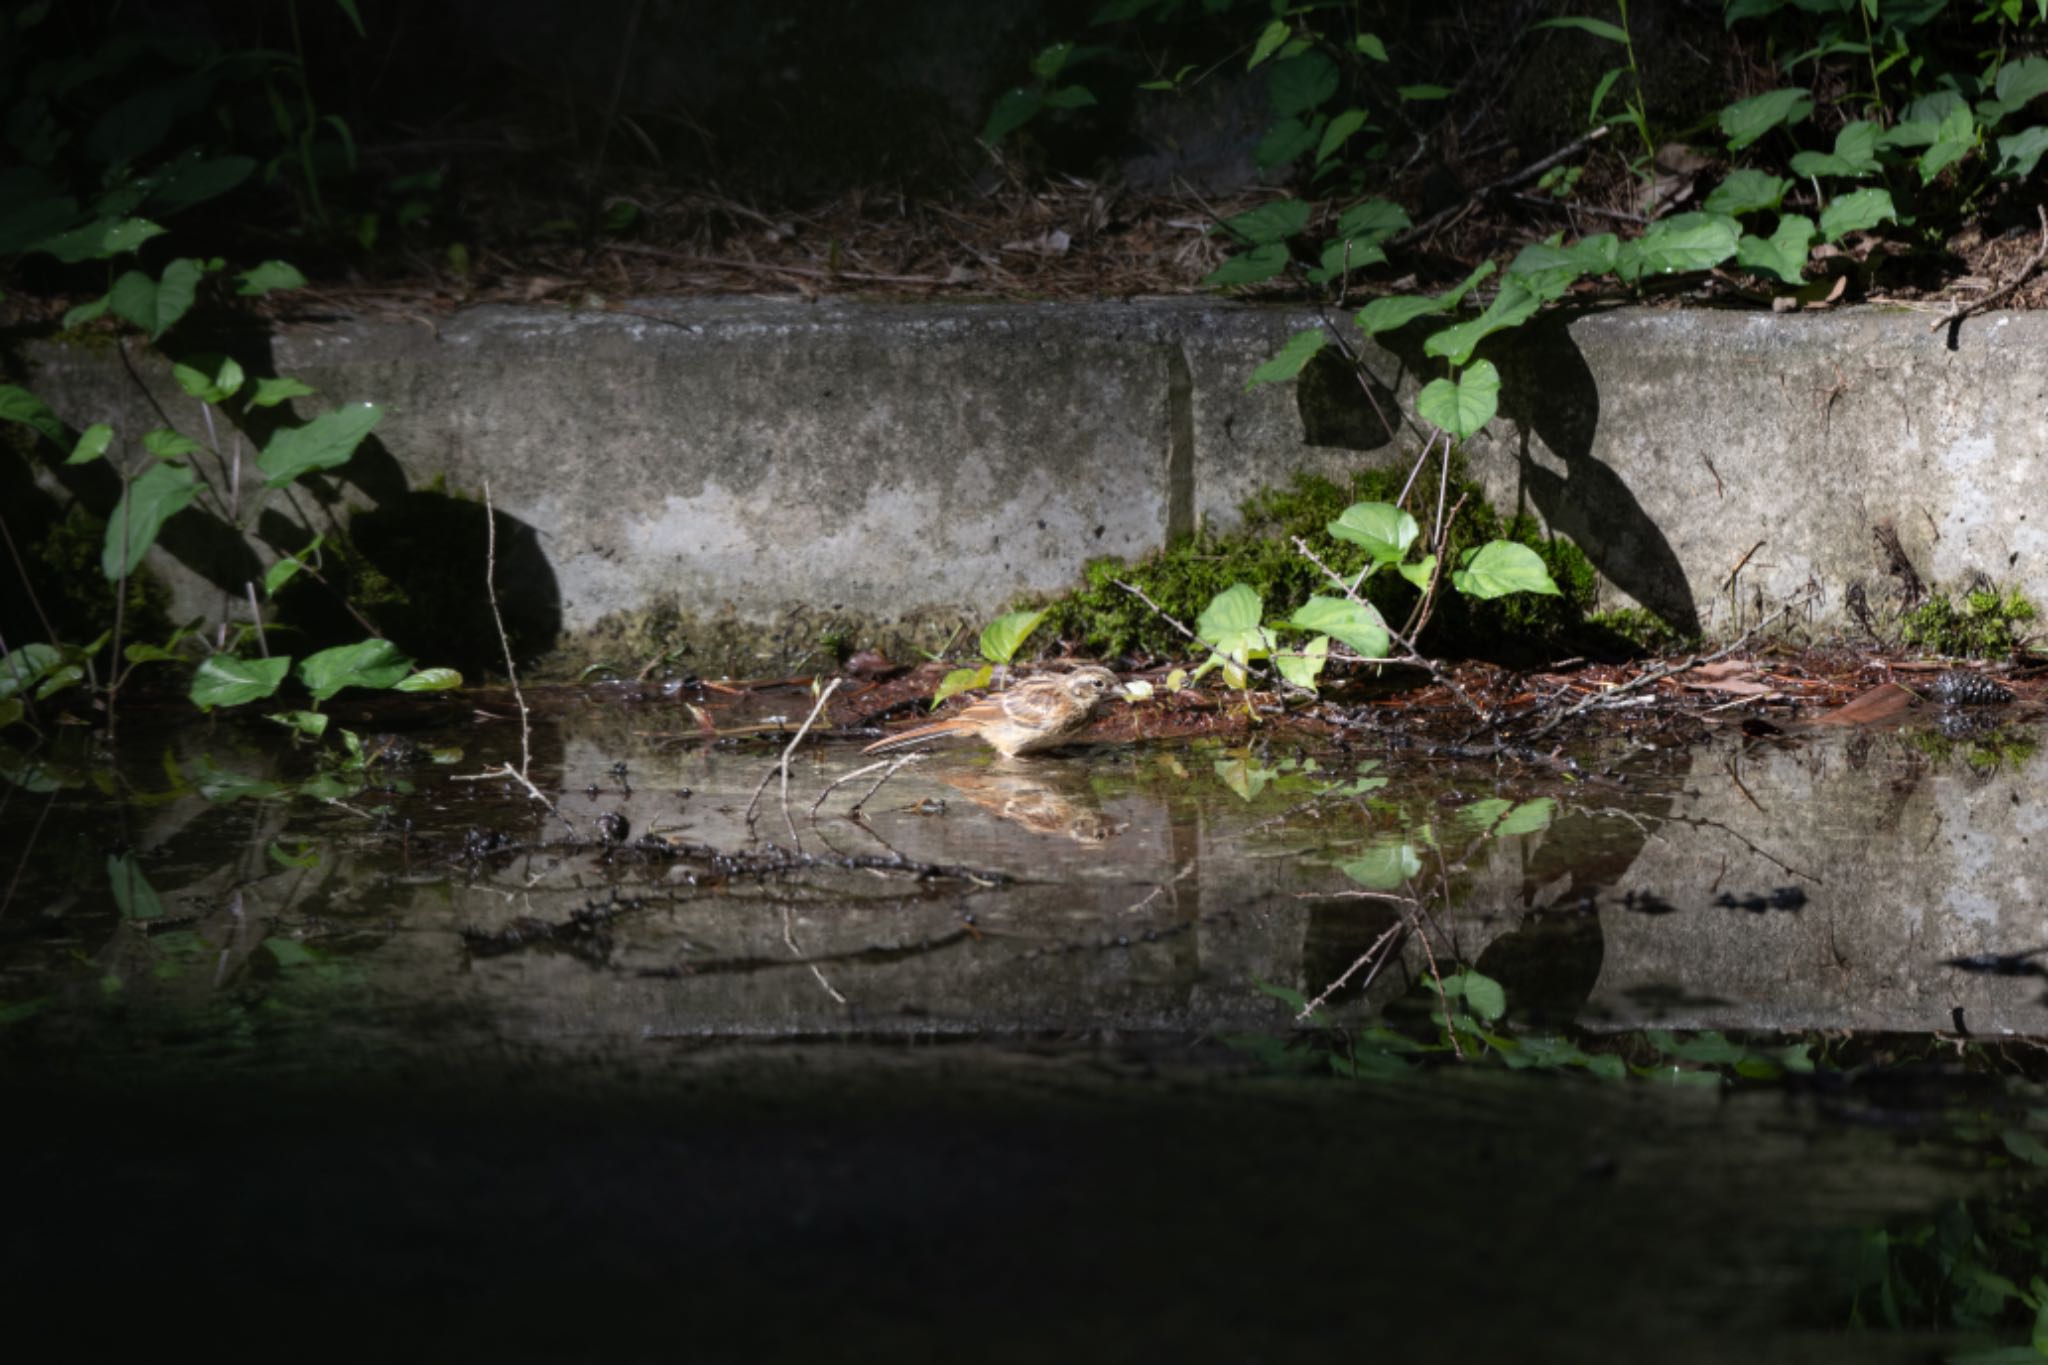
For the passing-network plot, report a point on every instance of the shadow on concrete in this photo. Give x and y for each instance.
(411, 563)
(1337, 410)
(1547, 391)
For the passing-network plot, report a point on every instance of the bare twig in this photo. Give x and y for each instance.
(1443, 1001)
(1506, 182)
(1377, 945)
(256, 618)
(892, 764)
(504, 640)
(1997, 296)
(1413, 656)
(1657, 675)
(782, 765)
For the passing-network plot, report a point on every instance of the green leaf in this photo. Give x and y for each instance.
(11, 711)
(1001, 638)
(1747, 191)
(1512, 307)
(2025, 1146)
(224, 680)
(158, 494)
(430, 680)
(2021, 82)
(1856, 212)
(1599, 28)
(1606, 83)
(1289, 360)
(194, 179)
(1301, 667)
(1343, 256)
(1014, 108)
(1394, 312)
(92, 443)
(961, 680)
(1243, 776)
(1383, 868)
(1232, 612)
(1287, 140)
(1529, 817)
(1501, 567)
(1046, 65)
(107, 238)
(133, 894)
(1273, 222)
(1383, 529)
(1355, 624)
(141, 653)
(311, 724)
(1588, 256)
(68, 675)
(1423, 92)
(19, 405)
(1338, 133)
(83, 313)
(1855, 153)
(371, 663)
(1686, 241)
(210, 379)
(1069, 97)
(2018, 154)
(167, 444)
(1485, 996)
(1418, 573)
(1369, 45)
(1250, 267)
(323, 443)
(306, 855)
(1374, 220)
(1747, 120)
(1464, 405)
(1955, 137)
(1269, 42)
(21, 669)
(270, 392)
(1296, 85)
(270, 277)
(1783, 253)
(156, 305)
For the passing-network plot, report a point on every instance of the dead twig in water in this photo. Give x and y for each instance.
(504, 640)
(782, 764)
(892, 764)
(1368, 955)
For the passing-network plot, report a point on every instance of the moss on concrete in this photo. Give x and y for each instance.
(1101, 618)
(1981, 624)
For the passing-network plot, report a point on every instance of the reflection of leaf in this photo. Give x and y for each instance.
(1243, 776)
(221, 787)
(2025, 1146)
(1528, 817)
(1383, 868)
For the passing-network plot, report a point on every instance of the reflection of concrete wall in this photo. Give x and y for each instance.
(1905, 862)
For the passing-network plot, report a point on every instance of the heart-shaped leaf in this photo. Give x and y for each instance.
(1463, 405)
(1383, 529)
(1501, 567)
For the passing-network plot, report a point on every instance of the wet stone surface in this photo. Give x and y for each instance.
(1000, 970)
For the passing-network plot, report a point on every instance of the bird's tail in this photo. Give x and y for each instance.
(915, 733)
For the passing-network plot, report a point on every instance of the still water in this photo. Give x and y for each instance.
(1031, 1032)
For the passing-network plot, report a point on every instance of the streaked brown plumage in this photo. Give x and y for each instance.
(1038, 713)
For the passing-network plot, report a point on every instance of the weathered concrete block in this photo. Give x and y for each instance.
(743, 478)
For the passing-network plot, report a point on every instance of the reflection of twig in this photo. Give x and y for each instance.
(1443, 1001)
(29, 848)
(782, 765)
(789, 937)
(1377, 944)
(836, 783)
(505, 641)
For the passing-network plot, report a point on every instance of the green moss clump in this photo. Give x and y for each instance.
(1104, 619)
(1985, 624)
(73, 588)
(1632, 631)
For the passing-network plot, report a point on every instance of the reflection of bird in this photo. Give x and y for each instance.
(1039, 713)
(1044, 798)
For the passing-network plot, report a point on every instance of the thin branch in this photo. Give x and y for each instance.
(1997, 296)
(782, 765)
(504, 640)
(1506, 182)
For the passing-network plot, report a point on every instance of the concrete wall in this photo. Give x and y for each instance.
(746, 476)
